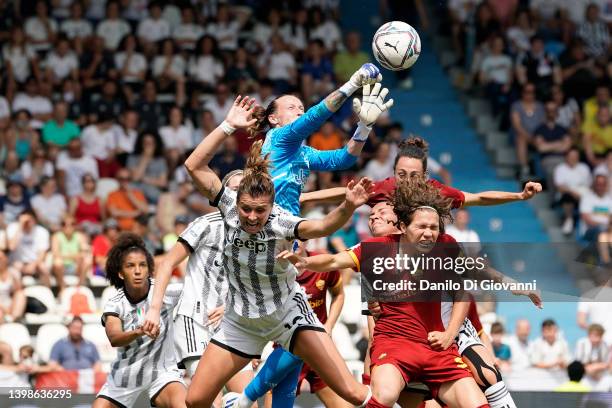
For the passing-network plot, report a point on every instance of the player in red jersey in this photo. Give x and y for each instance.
(411, 342)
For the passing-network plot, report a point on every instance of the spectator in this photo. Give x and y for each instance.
(329, 137)
(72, 94)
(502, 351)
(434, 168)
(297, 31)
(572, 180)
(594, 307)
(35, 102)
(130, 62)
(176, 137)
(12, 298)
(60, 130)
(568, 111)
(520, 33)
(76, 28)
(19, 57)
(148, 166)
(169, 239)
(49, 206)
(71, 253)
(40, 28)
(100, 143)
(110, 104)
(593, 352)
(595, 208)
(35, 168)
(496, 76)
(486, 24)
(597, 137)
(594, 32)
(265, 94)
(263, 31)
(72, 165)
(526, 115)
(153, 28)
(551, 141)
(21, 137)
(29, 244)
(169, 68)
(220, 104)
(349, 61)
(578, 71)
(278, 65)
(61, 62)
(141, 228)
(325, 29)
(102, 243)
(592, 105)
(519, 345)
(126, 133)
(207, 125)
(113, 28)
(16, 374)
(171, 205)
(206, 68)
(575, 372)
(379, 167)
(538, 67)
(549, 351)
(188, 32)
(14, 202)
(226, 27)
(242, 73)
(317, 73)
(87, 208)
(126, 203)
(151, 112)
(97, 66)
(74, 352)
(228, 159)
(463, 234)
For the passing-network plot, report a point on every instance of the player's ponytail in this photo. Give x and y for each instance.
(261, 115)
(415, 192)
(126, 244)
(257, 181)
(413, 147)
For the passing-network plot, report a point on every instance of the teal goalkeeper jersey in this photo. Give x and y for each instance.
(292, 161)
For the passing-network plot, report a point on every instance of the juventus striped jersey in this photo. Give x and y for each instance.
(144, 359)
(259, 284)
(206, 285)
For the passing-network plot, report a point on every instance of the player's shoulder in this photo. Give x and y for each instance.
(446, 239)
(212, 218)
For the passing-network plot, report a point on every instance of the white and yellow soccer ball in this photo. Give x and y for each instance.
(396, 45)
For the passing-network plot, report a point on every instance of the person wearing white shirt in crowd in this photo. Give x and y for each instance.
(463, 234)
(207, 125)
(572, 180)
(40, 28)
(264, 30)
(169, 67)
(205, 68)
(131, 64)
(50, 206)
(126, 133)
(19, 57)
(497, 76)
(153, 28)
(72, 165)
(135, 10)
(379, 168)
(76, 27)
(176, 137)
(594, 32)
(61, 62)
(595, 307)
(595, 208)
(519, 345)
(606, 168)
(220, 104)
(99, 139)
(39, 106)
(521, 32)
(187, 33)
(278, 65)
(593, 352)
(296, 31)
(35, 168)
(112, 29)
(549, 351)
(226, 28)
(326, 30)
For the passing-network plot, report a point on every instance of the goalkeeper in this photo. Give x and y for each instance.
(292, 162)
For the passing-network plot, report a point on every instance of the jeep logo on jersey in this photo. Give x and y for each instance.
(250, 244)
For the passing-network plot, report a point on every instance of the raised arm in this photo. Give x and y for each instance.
(334, 195)
(357, 194)
(501, 197)
(320, 263)
(206, 181)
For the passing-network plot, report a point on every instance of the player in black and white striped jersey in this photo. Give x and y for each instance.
(146, 360)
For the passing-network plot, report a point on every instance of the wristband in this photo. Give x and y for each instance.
(348, 88)
(362, 132)
(227, 128)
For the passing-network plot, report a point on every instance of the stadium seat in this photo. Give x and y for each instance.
(46, 337)
(351, 312)
(96, 333)
(79, 300)
(342, 339)
(45, 295)
(105, 186)
(15, 335)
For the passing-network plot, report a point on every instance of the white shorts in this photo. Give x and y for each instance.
(467, 337)
(190, 338)
(247, 337)
(126, 397)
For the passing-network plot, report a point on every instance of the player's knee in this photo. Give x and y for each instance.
(385, 395)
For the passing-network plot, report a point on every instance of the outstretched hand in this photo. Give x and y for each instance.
(240, 114)
(531, 189)
(358, 193)
(298, 261)
(367, 74)
(373, 104)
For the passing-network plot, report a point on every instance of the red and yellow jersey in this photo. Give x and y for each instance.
(316, 285)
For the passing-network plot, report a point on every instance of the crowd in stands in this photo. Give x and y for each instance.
(101, 101)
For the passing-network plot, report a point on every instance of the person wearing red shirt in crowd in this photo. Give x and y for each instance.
(102, 244)
(411, 341)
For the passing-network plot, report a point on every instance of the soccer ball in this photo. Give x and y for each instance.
(396, 45)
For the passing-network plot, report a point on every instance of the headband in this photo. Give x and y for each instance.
(426, 207)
